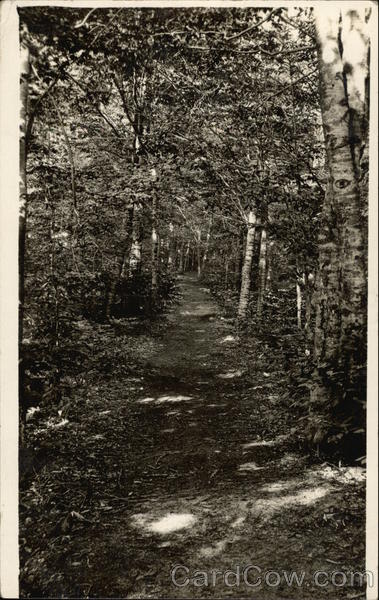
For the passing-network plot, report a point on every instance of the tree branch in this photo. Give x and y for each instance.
(286, 87)
(85, 19)
(255, 26)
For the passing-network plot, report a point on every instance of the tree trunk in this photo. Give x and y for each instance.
(299, 302)
(227, 272)
(23, 201)
(254, 276)
(186, 258)
(246, 269)
(170, 247)
(23, 214)
(207, 240)
(192, 263)
(240, 257)
(269, 266)
(198, 256)
(154, 249)
(262, 272)
(136, 250)
(181, 258)
(340, 286)
(309, 281)
(198, 253)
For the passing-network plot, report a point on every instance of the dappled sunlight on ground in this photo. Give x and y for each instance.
(250, 466)
(166, 398)
(280, 486)
(338, 474)
(238, 522)
(214, 550)
(317, 478)
(146, 400)
(260, 443)
(52, 423)
(228, 339)
(266, 507)
(230, 374)
(172, 398)
(172, 522)
(233, 515)
(167, 524)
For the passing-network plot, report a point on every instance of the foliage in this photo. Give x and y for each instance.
(222, 105)
(152, 136)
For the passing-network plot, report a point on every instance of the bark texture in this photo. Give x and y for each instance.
(136, 249)
(340, 286)
(154, 248)
(262, 272)
(246, 269)
(24, 83)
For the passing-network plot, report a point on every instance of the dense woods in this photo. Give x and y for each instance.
(229, 144)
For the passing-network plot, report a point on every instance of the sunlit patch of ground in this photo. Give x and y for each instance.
(214, 550)
(167, 524)
(259, 443)
(266, 507)
(172, 398)
(52, 423)
(228, 339)
(166, 398)
(250, 466)
(230, 374)
(146, 400)
(280, 486)
(341, 474)
(238, 522)
(31, 412)
(230, 510)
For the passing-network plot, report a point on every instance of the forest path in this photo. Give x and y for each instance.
(211, 487)
(182, 458)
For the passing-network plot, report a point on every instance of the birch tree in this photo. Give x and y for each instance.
(246, 269)
(340, 286)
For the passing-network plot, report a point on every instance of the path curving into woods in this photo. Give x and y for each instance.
(185, 462)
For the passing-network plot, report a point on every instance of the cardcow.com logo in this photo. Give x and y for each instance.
(253, 576)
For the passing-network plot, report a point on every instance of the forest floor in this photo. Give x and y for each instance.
(175, 448)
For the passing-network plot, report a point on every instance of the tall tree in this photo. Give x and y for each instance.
(246, 269)
(24, 92)
(340, 286)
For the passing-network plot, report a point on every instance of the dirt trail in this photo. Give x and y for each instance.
(215, 495)
(204, 479)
